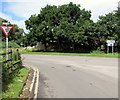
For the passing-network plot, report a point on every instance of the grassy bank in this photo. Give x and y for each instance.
(114, 55)
(15, 87)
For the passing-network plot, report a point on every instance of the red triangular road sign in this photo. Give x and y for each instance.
(6, 29)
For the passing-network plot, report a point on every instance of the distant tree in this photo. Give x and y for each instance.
(15, 35)
(107, 28)
(118, 27)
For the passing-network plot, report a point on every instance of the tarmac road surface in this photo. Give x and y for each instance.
(75, 76)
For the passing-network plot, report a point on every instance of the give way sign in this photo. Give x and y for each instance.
(6, 29)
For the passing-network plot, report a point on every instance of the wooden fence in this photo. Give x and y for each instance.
(13, 63)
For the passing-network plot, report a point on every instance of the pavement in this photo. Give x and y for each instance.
(73, 76)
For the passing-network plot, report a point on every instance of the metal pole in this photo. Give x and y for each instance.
(6, 48)
(7, 23)
(112, 49)
(0, 63)
(107, 49)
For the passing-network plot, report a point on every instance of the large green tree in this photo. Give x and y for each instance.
(64, 26)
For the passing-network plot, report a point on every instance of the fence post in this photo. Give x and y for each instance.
(17, 55)
(11, 54)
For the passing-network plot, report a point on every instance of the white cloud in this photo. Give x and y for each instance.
(24, 10)
(98, 7)
(5, 16)
(28, 7)
(20, 23)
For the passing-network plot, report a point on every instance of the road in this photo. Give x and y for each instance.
(75, 76)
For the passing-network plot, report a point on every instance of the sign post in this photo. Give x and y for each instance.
(6, 47)
(110, 43)
(6, 30)
(107, 49)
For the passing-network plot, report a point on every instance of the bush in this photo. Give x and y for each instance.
(11, 44)
(5, 72)
(97, 52)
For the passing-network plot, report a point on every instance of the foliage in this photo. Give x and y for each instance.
(15, 88)
(69, 28)
(107, 26)
(5, 72)
(61, 27)
(11, 44)
(2, 20)
(97, 52)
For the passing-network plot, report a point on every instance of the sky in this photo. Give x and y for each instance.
(20, 10)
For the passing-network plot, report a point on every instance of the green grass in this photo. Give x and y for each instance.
(114, 55)
(15, 87)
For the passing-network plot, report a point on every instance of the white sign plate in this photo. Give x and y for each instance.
(110, 41)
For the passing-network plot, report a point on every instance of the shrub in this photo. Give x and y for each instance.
(97, 52)
(11, 44)
(5, 71)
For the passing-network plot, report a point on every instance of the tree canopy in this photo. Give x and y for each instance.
(68, 27)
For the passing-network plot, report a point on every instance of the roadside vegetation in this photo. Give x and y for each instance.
(94, 53)
(13, 75)
(15, 86)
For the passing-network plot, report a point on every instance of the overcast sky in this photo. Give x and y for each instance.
(20, 10)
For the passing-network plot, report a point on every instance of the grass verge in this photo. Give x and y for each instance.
(114, 55)
(15, 87)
